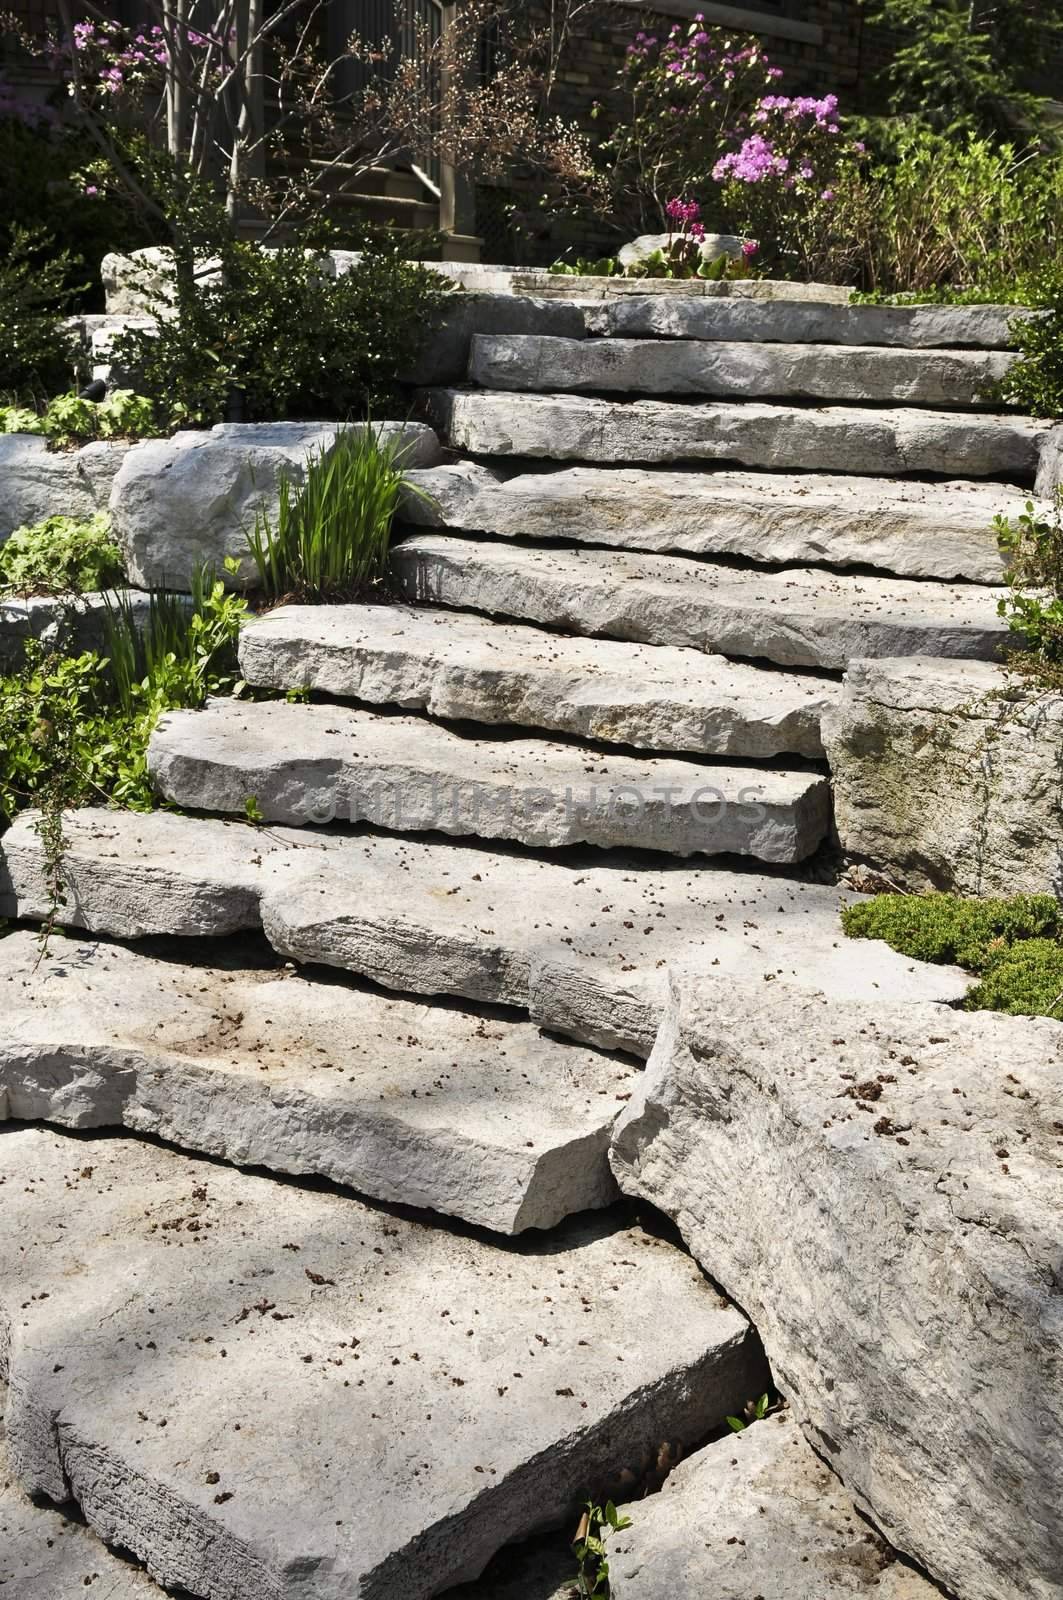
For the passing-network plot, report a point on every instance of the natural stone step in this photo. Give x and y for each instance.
(747, 371)
(916, 530)
(319, 763)
(457, 1111)
(262, 1390)
(918, 1151)
(585, 947)
(786, 438)
(465, 667)
(755, 1513)
(656, 316)
(796, 617)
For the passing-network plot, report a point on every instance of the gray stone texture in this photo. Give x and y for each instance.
(880, 1187)
(467, 668)
(849, 439)
(908, 528)
(947, 776)
(36, 482)
(70, 624)
(798, 617)
(319, 763)
(266, 1392)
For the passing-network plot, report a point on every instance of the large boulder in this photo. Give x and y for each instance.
(947, 776)
(191, 500)
(880, 1186)
(711, 247)
(36, 482)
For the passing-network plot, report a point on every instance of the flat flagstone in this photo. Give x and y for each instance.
(468, 668)
(909, 528)
(797, 617)
(301, 764)
(747, 371)
(265, 1390)
(891, 443)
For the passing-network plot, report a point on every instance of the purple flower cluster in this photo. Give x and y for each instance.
(753, 161)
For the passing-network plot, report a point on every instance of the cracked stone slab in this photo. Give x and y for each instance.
(469, 668)
(796, 617)
(755, 1514)
(947, 776)
(911, 529)
(746, 371)
(265, 1391)
(843, 439)
(452, 1110)
(917, 1332)
(586, 946)
(911, 327)
(36, 482)
(46, 1555)
(305, 764)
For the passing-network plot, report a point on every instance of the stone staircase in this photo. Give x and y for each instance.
(578, 756)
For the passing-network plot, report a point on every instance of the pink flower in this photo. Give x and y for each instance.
(91, 190)
(750, 248)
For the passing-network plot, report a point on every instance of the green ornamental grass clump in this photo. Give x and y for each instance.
(61, 555)
(1014, 946)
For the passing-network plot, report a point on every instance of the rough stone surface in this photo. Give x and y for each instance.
(912, 529)
(45, 1555)
(787, 438)
(747, 371)
(465, 667)
(179, 503)
(712, 246)
(910, 327)
(77, 625)
(321, 763)
(797, 617)
(756, 1514)
(445, 356)
(36, 482)
(1050, 470)
(458, 1111)
(267, 1393)
(539, 281)
(947, 776)
(916, 1329)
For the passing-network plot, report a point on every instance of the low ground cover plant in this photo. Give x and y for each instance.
(61, 556)
(1014, 947)
(69, 420)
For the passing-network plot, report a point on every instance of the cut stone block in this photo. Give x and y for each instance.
(180, 503)
(947, 776)
(911, 327)
(319, 763)
(756, 1514)
(786, 438)
(797, 617)
(457, 1111)
(465, 667)
(585, 946)
(913, 529)
(916, 1329)
(36, 482)
(747, 371)
(265, 1391)
(45, 1555)
(445, 355)
(540, 281)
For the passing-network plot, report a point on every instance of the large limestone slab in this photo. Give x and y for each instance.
(755, 1514)
(265, 1391)
(785, 438)
(748, 371)
(458, 1111)
(655, 316)
(797, 617)
(319, 763)
(191, 500)
(916, 1327)
(36, 482)
(540, 281)
(584, 946)
(910, 528)
(947, 776)
(445, 355)
(466, 667)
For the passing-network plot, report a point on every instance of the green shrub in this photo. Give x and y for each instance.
(331, 536)
(1033, 605)
(275, 337)
(943, 927)
(1023, 980)
(61, 555)
(36, 355)
(1035, 382)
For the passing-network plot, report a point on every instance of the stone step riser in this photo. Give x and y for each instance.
(793, 618)
(465, 668)
(859, 375)
(782, 438)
